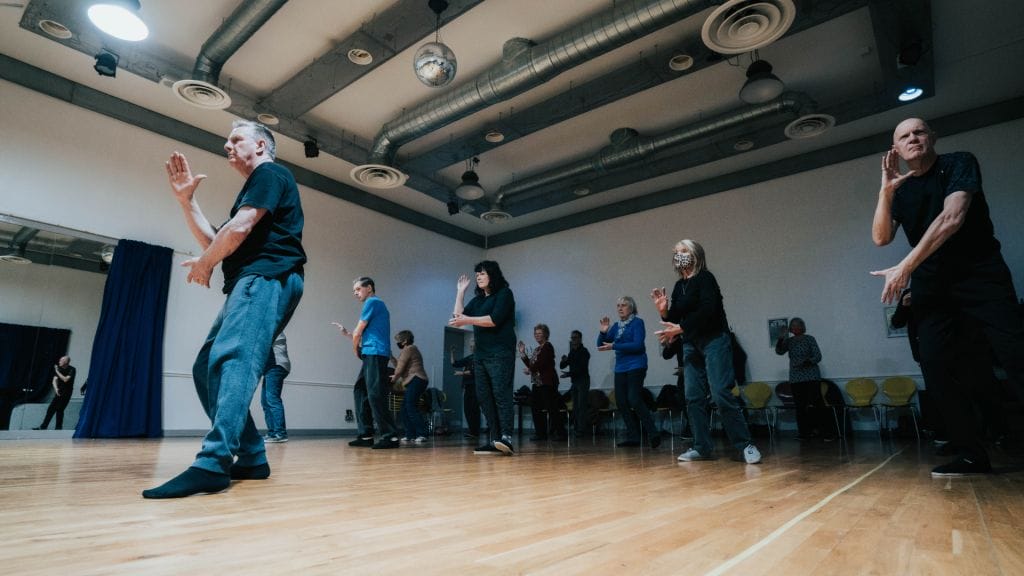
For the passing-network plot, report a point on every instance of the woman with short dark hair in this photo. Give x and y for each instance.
(411, 378)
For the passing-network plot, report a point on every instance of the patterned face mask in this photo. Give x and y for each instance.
(682, 260)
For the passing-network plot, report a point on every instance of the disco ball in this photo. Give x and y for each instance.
(434, 64)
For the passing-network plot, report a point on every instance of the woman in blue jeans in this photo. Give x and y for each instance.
(410, 376)
(626, 337)
(696, 314)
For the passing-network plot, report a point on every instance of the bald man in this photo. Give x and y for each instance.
(958, 274)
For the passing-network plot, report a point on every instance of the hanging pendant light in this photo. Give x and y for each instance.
(761, 85)
(470, 188)
(434, 62)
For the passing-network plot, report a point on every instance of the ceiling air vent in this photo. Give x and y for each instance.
(201, 94)
(378, 176)
(14, 259)
(743, 25)
(809, 126)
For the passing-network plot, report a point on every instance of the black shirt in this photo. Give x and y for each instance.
(696, 305)
(578, 363)
(68, 372)
(919, 201)
(501, 338)
(274, 246)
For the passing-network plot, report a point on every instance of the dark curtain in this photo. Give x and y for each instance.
(126, 372)
(27, 357)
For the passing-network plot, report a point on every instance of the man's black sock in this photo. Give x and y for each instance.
(191, 481)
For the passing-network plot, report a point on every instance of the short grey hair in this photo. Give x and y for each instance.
(693, 248)
(259, 132)
(628, 300)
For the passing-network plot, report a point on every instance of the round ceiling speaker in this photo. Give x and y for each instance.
(743, 25)
(378, 176)
(809, 126)
(201, 94)
(496, 216)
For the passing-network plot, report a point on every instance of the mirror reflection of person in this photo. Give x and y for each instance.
(805, 381)
(470, 404)
(63, 386)
(576, 366)
(260, 253)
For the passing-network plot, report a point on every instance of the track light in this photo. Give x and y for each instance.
(106, 64)
(761, 85)
(470, 188)
(312, 148)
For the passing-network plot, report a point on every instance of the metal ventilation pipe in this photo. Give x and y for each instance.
(628, 147)
(231, 35)
(525, 65)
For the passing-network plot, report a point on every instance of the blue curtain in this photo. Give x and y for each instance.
(126, 372)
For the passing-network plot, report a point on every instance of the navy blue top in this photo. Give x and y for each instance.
(630, 351)
(501, 338)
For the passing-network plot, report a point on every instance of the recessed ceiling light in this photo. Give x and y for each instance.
(911, 93)
(581, 191)
(360, 57)
(743, 145)
(268, 119)
(680, 62)
(55, 29)
(494, 136)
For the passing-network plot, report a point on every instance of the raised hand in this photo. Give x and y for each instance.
(669, 332)
(463, 283)
(896, 279)
(891, 177)
(605, 324)
(344, 331)
(522, 348)
(660, 299)
(179, 175)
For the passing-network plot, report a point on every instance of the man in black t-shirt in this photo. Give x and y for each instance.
(260, 252)
(63, 387)
(958, 275)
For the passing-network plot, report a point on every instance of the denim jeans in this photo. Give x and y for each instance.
(412, 419)
(364, 414)
(629, 401)
(230, 363)
(710, 366)
(270, 398)
(494, 389)
(375, 371)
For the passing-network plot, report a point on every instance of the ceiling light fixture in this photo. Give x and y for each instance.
(680, 62)
(761, 85)
(360, 57)
(470, 188)
(496, 214)
(494, 136)
(120, 19)
(55, 29)
(910, 93)
(268, 119)
(106, 64)
(434, 62)
(312, 148)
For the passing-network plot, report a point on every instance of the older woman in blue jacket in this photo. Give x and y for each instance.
(626, 338)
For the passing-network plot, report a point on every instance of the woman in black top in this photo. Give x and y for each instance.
(697, 316)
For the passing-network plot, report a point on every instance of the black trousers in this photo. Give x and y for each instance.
(983, 298)
(471, 406)
(57, 406)
(545, 403)
(811, 414)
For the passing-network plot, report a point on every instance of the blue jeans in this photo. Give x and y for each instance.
(230, 363)
(710, 366)
(629, 402)
(494, 390)
(270, 398)
(412, 420)
(375, 371)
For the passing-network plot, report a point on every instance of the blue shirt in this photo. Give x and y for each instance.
(377, 334)
(630, 351)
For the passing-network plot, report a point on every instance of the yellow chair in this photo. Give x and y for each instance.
(899, 390)
(757, 396)
(861, 392)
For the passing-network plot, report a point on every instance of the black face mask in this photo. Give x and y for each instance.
(401, 345)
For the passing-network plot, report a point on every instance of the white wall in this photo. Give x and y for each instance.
(795, 246)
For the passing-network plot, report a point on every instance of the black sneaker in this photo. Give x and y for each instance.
(487, 448)
(963, 466)
(366, 441)
(628, 444)
(655, 441)
(386, 443)
(504, 445)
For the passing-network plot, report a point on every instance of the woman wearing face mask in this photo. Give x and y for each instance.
(626, 337)
(696, 314)
(410, 375)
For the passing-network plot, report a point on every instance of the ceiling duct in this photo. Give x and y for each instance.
(525, 65)
(743, 25)
(628, 147)
(201, 90)
(18, 246)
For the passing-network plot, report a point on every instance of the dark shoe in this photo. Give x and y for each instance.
(191, 481)
(628, 443)
(487, 448)
(359, 442)
(386, 443)
(275, 439)
(38, 428)
(963, 466)
(655, 441)
(504, 445)
(258, 472)
(471, 435)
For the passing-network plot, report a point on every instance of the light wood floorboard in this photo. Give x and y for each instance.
(73, 507)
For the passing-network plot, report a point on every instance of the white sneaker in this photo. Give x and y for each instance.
(420, 439)
(692, 455)
(751, 454)
(404, 440)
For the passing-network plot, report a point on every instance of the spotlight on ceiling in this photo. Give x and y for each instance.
(453, 205)
(120, 19)
(106, 64)
(761, 85)
(107, 253)
(312, 148)
(434, 62)
(470, 188)
(496, 215)
(910, 93)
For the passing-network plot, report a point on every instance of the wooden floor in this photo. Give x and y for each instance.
(73, 507)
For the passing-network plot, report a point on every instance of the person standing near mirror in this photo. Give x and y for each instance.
(260, 252)
(63, 386)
